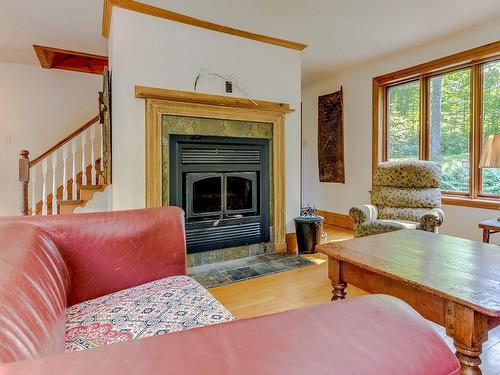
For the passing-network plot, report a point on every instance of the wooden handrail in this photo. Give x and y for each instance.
(82, 128)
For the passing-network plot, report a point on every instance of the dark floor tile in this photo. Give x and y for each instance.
(295, 261)
(240, 273)
(269, 267)
(210, 278)
(216, 274)
(277, 256)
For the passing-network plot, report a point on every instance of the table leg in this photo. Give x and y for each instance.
(335, 274)
(469, 330)
(486, 235)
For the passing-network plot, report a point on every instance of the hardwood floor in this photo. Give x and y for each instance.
(309, 286)
(285, 290)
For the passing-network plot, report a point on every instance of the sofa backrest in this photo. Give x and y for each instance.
(406, 189)
(109, 251)
(33, 289)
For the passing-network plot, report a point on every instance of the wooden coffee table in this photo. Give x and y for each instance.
(489, 227)
(451, 281)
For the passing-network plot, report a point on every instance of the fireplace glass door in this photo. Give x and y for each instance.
(216, 195)
(241, 193)
(204, 194)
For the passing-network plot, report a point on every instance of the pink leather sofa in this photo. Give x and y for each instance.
(48, 264)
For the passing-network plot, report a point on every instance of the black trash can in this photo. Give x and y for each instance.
(308, 230)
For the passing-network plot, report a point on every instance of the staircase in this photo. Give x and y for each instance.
(66, 176)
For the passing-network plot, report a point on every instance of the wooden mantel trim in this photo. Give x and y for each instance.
(156, 108)
(181, 18)
(143, 92)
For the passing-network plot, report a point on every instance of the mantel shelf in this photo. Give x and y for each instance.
(143, 92)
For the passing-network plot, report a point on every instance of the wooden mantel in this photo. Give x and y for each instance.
(161, 102)
(209, 99)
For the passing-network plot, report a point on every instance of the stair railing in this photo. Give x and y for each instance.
(32, 171)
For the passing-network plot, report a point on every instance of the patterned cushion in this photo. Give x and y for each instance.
(372, 227)
(409, 174)
(405, 197)
(402, 213)
(167, 305)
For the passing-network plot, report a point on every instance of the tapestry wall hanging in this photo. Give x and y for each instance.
(331, 138)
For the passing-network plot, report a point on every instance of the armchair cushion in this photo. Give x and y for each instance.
(167, 305)
(402, 213)
(406, 197)
(372, 227)
(408, 174)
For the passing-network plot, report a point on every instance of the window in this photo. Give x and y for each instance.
(403, 122)
(491, 121)
(443, 111)
(449, 128)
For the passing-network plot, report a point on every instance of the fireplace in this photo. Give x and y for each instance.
(222, 183)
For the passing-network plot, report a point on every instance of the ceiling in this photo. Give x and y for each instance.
(338, 32)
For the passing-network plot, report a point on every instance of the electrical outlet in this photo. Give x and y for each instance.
(7, 140)
(229, 86)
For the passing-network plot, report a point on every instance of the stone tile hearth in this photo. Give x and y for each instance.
(216, 274)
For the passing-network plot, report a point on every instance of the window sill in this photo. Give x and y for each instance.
(492, 204)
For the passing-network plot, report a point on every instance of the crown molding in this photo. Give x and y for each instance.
(181, 18)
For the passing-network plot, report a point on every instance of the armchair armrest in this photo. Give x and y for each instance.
(109, 251)
(363, 213)
(432, 219)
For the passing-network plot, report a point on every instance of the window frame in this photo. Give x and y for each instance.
(473, 59)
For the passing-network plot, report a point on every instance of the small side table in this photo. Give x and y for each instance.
(489, 227)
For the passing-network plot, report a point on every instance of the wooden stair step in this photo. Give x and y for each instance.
(91, 187)
(70, 202)
(87, 191)
(67, 207)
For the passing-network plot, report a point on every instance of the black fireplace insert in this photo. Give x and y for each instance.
(222, 183)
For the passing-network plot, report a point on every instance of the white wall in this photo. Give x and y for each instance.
(357, 85)
(38, 108)
(149, 51)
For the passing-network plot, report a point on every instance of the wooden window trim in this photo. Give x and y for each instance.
(474, 59)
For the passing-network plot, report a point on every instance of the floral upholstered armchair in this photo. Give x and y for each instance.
(405, 195)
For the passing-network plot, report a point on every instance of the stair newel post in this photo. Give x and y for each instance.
(44, 187)
(24, 178)
(54, 184)
(92, 156)
(33, 190)
(73, 170)
(64, 178)
(84, 162)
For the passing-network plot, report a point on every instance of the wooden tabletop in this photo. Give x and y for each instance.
(492, 224)
(463, 271)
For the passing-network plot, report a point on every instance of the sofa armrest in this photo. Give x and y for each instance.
(432, 219)
(109, 251)
(363, 213)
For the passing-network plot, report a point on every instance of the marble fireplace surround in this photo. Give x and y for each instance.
(161, 102)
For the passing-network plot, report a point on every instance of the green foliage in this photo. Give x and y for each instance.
(404, 120)
(450, 112)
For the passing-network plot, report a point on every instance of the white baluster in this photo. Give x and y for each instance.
(33, 190)
(84, 162)
(73, 171)
(44, 187)
(92, 156)
(54, 185)
(64, 178)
